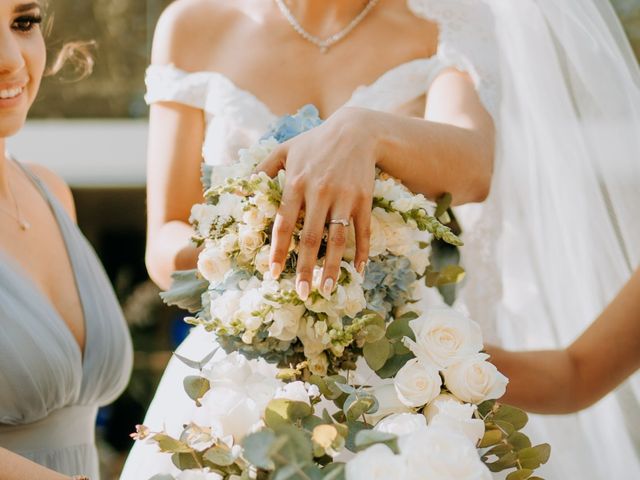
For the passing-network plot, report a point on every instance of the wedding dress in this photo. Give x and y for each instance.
(540, 100)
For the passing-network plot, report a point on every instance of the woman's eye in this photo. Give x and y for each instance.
(26, 23)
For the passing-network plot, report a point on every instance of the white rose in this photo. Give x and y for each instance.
(294, 391)
(417, 383)
(398, 235)
(444, 336)
(229, 242)
(286, 321)
(249, 239)
(262, 259)
(475, 380)
(433, 408)
(213, 264)
(388, 401)
(204, 474)
(254, 218)
(377, 239)
(401, 423)
(441, 454)
(419, 259)
(458, 416)
(377, 462)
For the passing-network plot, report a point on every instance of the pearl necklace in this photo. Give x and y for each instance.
(325, 43)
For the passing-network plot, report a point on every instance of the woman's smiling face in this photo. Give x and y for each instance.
(22, 61)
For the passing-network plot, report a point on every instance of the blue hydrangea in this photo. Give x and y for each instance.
(387, 283)
(289, 126)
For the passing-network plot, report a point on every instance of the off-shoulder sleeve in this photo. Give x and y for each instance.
(467, 41)
(166, 83)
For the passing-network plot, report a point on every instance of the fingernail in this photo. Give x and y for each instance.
(276, 269)
(361, 267)
(328, 286)
(303, 290)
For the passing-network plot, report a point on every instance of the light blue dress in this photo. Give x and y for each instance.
(49, 391)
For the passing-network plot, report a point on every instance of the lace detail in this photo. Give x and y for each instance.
(467, 42)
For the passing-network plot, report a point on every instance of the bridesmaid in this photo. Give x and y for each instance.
(569, 380)
(64, 348)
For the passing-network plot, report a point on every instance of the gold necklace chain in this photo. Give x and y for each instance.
(17, 216)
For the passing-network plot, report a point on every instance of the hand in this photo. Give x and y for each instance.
(330, 173)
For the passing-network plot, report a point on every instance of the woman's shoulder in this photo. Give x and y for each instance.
(57, 186)
(188, 30)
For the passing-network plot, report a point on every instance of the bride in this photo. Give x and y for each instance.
(510, 104)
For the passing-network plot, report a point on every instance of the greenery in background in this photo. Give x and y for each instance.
(123, 30)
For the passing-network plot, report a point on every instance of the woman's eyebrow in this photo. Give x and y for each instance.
(25, 7)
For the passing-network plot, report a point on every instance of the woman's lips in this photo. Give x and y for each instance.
(11, 95)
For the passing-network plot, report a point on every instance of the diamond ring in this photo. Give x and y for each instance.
(340, 221)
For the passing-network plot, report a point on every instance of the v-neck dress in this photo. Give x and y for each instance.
(49, 391)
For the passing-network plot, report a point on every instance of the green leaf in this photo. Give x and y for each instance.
(512, 415)
(491, 437)
(354, 429)
(344, 388)
(219, 456)
(333, 391)
(357, 404)
(196, 387)
(503, 463)
(294, 446)
(449, 275)
(506, 427)
(499, 450)
(281, 412)
(393, 365)
(311, 422)
(257, 448)
(519, 441)
(523, 474)
(186, 290)
(366, 438)
(170, 444)
(196, 365)
(399, 328)
(375, 328)
(185, 461)
(533, 457)
(486, 407)
(377, 353)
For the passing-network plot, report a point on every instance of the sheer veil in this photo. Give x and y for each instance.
(567, 190)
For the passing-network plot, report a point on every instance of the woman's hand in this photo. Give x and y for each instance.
(330, 173)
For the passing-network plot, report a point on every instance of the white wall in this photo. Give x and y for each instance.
(86, 153)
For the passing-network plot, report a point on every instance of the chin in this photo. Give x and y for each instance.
(11, 124)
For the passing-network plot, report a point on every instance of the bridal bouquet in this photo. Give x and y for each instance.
(354, 384)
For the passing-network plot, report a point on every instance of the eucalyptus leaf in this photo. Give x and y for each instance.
(377, 353)
(503, 463)
(393, 365)
(170, 444)
(399, 328)
(196, 387)
(522, 474)
(184, 461)
(366, 438)
(186, 290)
(512, 415)
(357, 404)
(354, 429)
(519, 441)
(219, 456)
(197, 365)
(491, 437)
(334, 471)
(506, 427)
(281, 412)
(257, 448)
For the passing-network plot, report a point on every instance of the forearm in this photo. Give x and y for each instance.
(433, 158)
(169, 249)
(539, 382)
(15, 467)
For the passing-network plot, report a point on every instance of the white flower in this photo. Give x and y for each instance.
(433, 408)
(314, 336)
(220, 173)
(255, 218)
(265, 205)
(377, 239)
(286, 322)
(453, 414)
(257, 153)
(229, 243)
(398, 235)
(350, 246)
(250, 240)
(388, 401)
(213, 264)
(417, 383)
(294, 391)
(419, 259)
(225, 306)
(437, 453)
(319, 364)
(444, 336)
(377, 462)
(355, 299)
(475, 380)
(229, 206)
(199, 474)
(261, 260)
(205, 215)
(401, 423)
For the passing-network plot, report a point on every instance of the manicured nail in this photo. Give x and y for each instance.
(276, 269)
(303, 290)
(361, 267)
(327, 288)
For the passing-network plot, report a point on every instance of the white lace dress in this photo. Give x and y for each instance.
(235, 118)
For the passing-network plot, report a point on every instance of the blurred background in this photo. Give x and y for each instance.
(93, 133)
